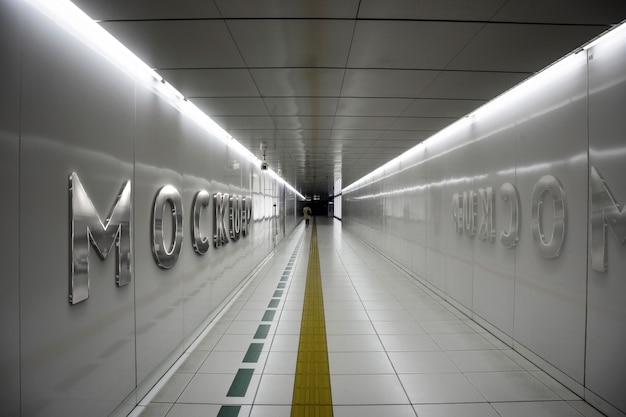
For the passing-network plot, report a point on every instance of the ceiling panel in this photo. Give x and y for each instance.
(437, 10)
(241, 134)
(410, 135)
(408, 44)
(563, 11)
(355, 134)
(311, 106)
(232, 106)
(305, 134)
(311, 82)
(169, 44)
(211, 82)
(337, 9)
(513, 47)
(304, 122)
(293, 43)
(441, 108)
(364, 123)
(386, 83)
(332, 94)
(147, 9)
(421, 123)
(244, 122)
(472, 85)
(372, 106)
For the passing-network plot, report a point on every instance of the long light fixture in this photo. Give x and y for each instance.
(534, 83)
(72, 19)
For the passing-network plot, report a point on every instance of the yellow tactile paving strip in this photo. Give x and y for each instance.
(311, 392)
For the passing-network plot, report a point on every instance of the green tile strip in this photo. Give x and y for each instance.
(229, 411)
(262, 331)
(281, 285)
(283, 279)
(240, 384)
(253, 353)
(269, 315)
(277, 294)
(274, 303)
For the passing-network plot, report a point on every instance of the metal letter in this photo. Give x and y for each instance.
(234, 214)
(549, 249)
(604, 211)
(86, 227)
(246, 215)
(470, 207)
(170, 196)
(219, 229)
(457, 213)
(486, 230)
(200, 243)
(508, 192)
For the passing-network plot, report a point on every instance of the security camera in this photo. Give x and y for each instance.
(263, 166)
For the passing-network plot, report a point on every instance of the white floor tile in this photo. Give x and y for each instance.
(456, 410)
(536, 409)
(462, 341)
(353, 343)
(281, 363)
(270, 411)
(212, 389)
(275, 390)
(373, 411)
(367, 389)
(440, 389)
(408, 343)
(359, 363)
(422, 362)
(443, 327)
(398, 327)
(349, 327)
(483, 361)
(510, 386)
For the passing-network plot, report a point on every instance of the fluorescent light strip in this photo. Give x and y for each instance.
(544, 77)
(68, 16)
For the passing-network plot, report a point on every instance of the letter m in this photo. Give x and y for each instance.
(86, 229)
(604, 212)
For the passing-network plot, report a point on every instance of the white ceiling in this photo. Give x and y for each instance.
(339, 87)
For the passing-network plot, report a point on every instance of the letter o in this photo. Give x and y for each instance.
(200, 243)
(551, 248)
(167, 258)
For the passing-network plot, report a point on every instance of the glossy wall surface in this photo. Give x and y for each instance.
(444, 212)
(65, 108)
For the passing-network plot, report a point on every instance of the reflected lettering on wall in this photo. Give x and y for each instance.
(605, 213)
(509, 194)
(466, 205)
(548, 248)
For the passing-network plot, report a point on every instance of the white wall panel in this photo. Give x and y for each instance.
(77, 116)
(494, 263)
(460, 172)
(606, 317)
(158, 162)
(80, 113)
(550, 294)
(562, 127)
(437, 215)
(9, 210)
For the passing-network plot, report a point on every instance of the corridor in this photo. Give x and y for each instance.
(394, 348)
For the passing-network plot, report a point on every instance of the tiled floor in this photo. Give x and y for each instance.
(394, 349)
